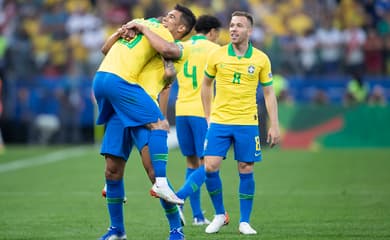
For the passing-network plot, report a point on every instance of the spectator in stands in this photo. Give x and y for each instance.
(88, 33)
(54, 18)
(383, 25)
(373, 53)
(354, 38)
(330, 40)
(297, 20)
(372, 13)
(386, 56)
(19, 58)
(307, 46)
(288, 59)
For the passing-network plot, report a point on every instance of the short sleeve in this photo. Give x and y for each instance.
(210, 67)
(265, 75)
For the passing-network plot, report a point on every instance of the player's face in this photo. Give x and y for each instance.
(240, 29)
(172, 22)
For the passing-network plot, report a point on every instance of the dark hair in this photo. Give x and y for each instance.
(188, 18)
(244, 14)
(205, 23)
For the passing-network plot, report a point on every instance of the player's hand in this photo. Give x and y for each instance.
(127, 34)
(138, 28)
(273, 136)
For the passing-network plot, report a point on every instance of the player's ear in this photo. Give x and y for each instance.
(182, 28)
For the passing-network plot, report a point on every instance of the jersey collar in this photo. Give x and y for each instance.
(248, 53)
(198, 37)
(154, 20)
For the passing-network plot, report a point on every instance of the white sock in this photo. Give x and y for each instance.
(161, 181)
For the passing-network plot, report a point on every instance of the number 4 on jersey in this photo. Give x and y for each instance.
(192, 75)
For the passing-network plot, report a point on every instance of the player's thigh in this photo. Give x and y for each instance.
(191, 133)
(117, 139)
(199, 128)
(105, 109)
(132, 104)
(247, 143)
(218, 140)
(184, 135)
(140, 136)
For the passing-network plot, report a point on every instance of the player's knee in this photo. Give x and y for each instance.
(159, 125)
(244, 167)
(211, 167)
(112, 174)
(114, 168)
(193, 162)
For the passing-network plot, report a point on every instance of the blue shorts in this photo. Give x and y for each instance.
(130, 102)
(191, 133)
(245, 140)
(118, 140)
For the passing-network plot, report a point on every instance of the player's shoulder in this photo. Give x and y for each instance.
(212, 44)
(259, 53)
(186, 43)
(220, 49)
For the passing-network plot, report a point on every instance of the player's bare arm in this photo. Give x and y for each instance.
(168, 50)
(169, 72)
(207, 95)
(121, 32)
(273, 135)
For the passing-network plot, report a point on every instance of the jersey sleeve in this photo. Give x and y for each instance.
(211, 66)
(265, 75)
(184, 53)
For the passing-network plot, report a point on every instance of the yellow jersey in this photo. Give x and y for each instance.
(127, 58)
(151, 77)
(236, 80)
(190, 76)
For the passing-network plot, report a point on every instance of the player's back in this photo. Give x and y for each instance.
(151, 77)
(127, 58)
(190, 76)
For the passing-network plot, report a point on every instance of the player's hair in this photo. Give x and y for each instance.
(205, 23)
(244, 14)
(187, 17)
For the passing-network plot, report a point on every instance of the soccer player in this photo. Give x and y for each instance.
(191, 125)
(123, 103)
(237, 69)
(158, 91)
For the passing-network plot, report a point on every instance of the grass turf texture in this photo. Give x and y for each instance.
(328, 194)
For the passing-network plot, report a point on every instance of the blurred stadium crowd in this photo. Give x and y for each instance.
(50, 49)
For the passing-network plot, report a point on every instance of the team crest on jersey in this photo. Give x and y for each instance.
(251, 69)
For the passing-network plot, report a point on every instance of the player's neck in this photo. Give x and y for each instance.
(177, 37)
(240, 48)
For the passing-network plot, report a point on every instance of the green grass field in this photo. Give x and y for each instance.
(54, 193)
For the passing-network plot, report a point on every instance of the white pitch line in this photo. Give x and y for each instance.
(64, 154)
(41, 160)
